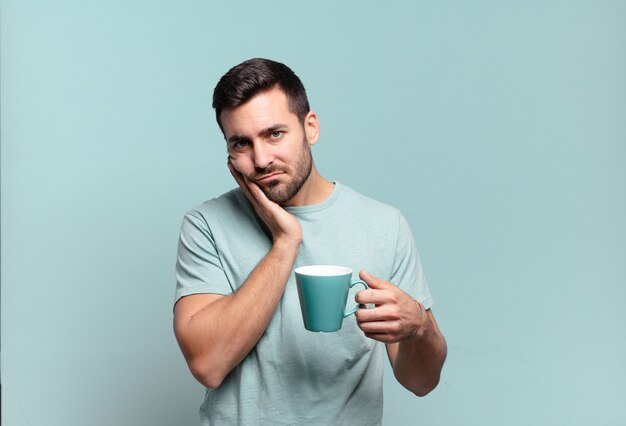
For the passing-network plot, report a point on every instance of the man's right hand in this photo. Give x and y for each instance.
(283, 226)
(216, 332)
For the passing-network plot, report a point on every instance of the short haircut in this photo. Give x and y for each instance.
(251, 77)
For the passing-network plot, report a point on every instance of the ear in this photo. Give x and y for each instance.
(311, 128)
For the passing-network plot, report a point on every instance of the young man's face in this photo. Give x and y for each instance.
(268, 144)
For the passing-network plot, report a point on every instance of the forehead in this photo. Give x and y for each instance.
(263, 110)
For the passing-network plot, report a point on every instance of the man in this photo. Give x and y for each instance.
(237, 316)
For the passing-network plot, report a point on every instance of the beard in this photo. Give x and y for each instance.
(280, 193)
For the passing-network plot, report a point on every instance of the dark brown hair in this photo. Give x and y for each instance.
(251, 77)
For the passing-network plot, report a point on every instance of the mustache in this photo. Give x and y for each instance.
(268, 170)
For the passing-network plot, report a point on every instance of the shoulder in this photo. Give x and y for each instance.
(227, 206)
(367, 205)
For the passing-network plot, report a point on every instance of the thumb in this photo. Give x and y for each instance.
(373, 281)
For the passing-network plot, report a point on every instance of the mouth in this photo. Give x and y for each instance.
(269, 177)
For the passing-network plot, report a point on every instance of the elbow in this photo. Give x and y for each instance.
(419, 387)
(429, 383)
(421, 393)
(425, 388)
(211, 381)
(209, 376)
(206, 366)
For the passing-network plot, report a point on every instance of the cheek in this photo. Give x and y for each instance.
(241, 164)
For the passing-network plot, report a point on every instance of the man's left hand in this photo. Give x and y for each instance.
(396, 315)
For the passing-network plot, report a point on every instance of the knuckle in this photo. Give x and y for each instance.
(394, 312)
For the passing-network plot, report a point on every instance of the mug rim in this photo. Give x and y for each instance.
(323, 270)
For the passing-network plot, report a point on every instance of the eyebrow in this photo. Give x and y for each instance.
(266, 131)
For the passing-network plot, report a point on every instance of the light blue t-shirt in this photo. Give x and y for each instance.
(293, 376)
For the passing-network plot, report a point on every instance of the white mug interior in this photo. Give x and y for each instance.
(323, 270)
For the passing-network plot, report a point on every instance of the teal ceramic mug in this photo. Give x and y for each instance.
(323, 292)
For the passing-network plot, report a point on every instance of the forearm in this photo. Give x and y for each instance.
(219, 336)
(420, 358)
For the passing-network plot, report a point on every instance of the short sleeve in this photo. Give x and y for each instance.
(198, 265)
(407, 272)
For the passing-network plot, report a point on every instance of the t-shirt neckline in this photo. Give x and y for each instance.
(317, 207)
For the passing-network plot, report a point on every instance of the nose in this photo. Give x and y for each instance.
(263, 156)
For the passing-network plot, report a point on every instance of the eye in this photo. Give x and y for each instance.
(276, 134)
(239, 145)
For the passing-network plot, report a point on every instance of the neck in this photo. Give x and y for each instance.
(315, 190)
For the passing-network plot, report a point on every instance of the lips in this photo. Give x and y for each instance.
(268, 177)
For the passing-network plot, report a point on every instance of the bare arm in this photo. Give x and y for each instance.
(415, 345)
(418, 360)
(216, 332)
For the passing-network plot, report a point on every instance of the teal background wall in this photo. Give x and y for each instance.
(498, 128)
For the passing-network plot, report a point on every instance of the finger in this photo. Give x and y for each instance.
(250, 188)
(382, 313)
(243, 184)
(235, 173)
(255, 190)
(386, 327)
(262, 204)
(374, 296)
(373, 281)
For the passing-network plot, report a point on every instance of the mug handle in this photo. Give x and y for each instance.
(352, 284)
